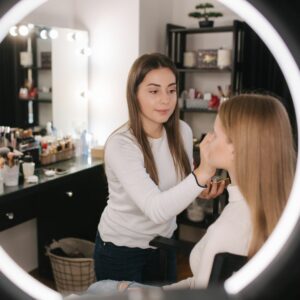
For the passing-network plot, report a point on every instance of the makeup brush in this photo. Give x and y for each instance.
(221, 91)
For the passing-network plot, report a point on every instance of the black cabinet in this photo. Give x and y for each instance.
(70, 209)
(65, 206)
(16, 211)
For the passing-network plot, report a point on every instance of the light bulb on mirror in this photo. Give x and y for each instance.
(72, 36)
(53, 34)
(13, 31)
(43, 34)
(23, 30)
(86, 51)
(30, 26)
(85, 94)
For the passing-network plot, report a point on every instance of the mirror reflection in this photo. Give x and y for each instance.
(40, 91)
(51, 99)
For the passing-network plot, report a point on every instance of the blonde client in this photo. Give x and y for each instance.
(252, 139)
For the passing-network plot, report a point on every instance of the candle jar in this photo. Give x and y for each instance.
(195, 212)
(224, 58)
(1, 181)
(189, 59)
(11, 174)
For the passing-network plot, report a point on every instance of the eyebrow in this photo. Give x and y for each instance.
(158, 85)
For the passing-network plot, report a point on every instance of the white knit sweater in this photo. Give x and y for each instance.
(138, 209)
(231, 232)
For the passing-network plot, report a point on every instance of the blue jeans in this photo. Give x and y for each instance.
(110, 287)
(133, 264)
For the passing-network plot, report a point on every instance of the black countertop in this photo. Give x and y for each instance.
(74, 165)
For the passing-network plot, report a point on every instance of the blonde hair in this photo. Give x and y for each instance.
(141, 67)
(259, 129)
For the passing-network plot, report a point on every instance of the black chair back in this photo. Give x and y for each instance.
(225, 264)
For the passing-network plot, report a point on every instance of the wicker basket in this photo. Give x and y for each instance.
(72, 274)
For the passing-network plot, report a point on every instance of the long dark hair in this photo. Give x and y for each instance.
(141, 67)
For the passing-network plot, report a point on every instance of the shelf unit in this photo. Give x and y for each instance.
(199, 110)
(35, 74)
(181, 29)
(32, 107)
(207, 221)
(28, 107)
(37, 68)
(176, 46)
(38, 100)
(204, 70)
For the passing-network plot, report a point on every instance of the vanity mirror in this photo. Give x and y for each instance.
(44, 77)
(275, 260)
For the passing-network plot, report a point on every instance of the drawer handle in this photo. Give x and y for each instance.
(10, 215)
(69, 194)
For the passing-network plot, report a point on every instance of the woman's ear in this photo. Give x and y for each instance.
(232, 152)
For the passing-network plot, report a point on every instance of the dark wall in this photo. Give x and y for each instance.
(285, 17)
(261, 73)
(8, 88)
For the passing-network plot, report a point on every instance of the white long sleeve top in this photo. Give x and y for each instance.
(231, 232)
(137, 209)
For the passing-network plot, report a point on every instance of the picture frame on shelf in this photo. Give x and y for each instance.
(207, 58)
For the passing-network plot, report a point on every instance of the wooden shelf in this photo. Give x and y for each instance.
(204, 70)
(43, 68)
(208, 220)
(36, 68)
(199, 110)
(203, 30)
(40, 100)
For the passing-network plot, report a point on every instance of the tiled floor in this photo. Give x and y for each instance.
(183, 271)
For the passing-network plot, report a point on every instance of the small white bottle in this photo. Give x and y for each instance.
(84, 143)
(49, 128)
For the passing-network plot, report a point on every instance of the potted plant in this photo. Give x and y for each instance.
(204, 14)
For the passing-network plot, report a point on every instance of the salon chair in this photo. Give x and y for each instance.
(224, 265)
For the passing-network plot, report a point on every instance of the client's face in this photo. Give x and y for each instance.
(221, 152)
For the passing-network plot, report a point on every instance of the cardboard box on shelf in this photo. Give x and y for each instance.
(97, 152)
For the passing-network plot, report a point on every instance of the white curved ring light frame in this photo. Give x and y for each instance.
(291, 213)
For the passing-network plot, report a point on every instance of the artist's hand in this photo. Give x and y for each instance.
(213, 190)
(123, 286)
(205, 171)
(2, 161)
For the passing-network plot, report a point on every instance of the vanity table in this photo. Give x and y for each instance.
(68, 205)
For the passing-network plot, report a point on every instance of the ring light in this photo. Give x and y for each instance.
(291, 213)
(273, 247)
